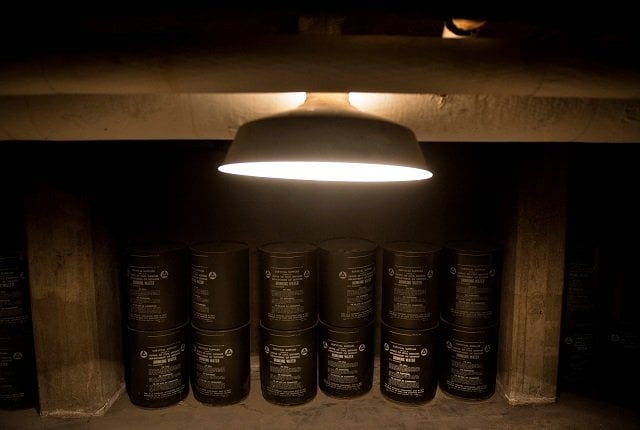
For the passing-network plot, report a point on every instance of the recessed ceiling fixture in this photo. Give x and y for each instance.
(326, 139)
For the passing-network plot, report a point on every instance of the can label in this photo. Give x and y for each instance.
(164, 370)
(358, 282)
(211, 369)
(221, 365)
(145, 301)
(348, 295)
(158, 367)
(219, 285)
(577, 357)
(285, 373)
(469, 362)
(288, 277)
(201, 303)
(472, 291)
(347, 275)
(346, 361)
(287, 292)
(407, 364)
(288, 367)
(409, 299)
(472, 295)
(14, 292)
(410, 285)
(17, 370)
(157, 290)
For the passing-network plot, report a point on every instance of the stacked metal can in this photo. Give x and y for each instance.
(410, 319)
(347, 316)
(157, 373)
(580, 324)
(470, 312)
(18, 386)
(220, 322)
(288, 322)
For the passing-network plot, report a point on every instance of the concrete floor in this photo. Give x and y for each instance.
(370, 411)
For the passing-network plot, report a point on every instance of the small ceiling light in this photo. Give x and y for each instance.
(326, 139)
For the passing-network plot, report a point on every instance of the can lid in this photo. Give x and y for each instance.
(347, 245)
(219, 332)
(218, 247)
(367, 326)
(153, 248)
(472, 246)
(159, 333)
(11, 255)
(409, 331)
(468, 329)
(411, 247)
(287, 248)
(288, 333)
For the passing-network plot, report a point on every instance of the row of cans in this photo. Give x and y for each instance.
(414, 276)
(158, 288)
(412, 282)
(413, 363)
(164, 365)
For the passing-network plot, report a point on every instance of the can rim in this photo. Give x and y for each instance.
(469, 329)
(159, 332)
(153, 248)
(410, 331)
(347, 329)
(287, 332)
(356, 245)
(218, 246)
(411, 247)
(473, 247)
(280, 247)
(210, 332)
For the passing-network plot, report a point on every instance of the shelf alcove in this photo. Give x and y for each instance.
(116, 140)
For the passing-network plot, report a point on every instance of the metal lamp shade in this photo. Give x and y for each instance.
(326, 144)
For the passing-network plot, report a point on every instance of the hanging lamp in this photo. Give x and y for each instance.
(326, 139)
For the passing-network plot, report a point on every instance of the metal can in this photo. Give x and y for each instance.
(345, 360)
(288, 365)
(289, 285)
(347, 281)
(220, 365)
(219, 284)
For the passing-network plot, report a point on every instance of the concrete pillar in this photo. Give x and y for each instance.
(533, 279)
(75, 304)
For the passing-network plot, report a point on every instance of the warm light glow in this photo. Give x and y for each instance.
(327, 171)
(293, 99)
(371, 101)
